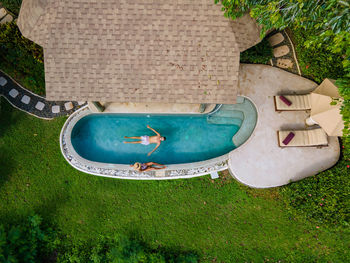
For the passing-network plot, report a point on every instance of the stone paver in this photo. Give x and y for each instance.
(276, 39)
(13, 93)
(3, 81)
(2, 12)
(25, 99)
(281, 51)
(40, 106)
(81, 102)
(284, 63)
(260, 162)
(55, 109)
(68, 106)
(6, 19)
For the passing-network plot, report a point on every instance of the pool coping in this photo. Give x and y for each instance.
(123, 171)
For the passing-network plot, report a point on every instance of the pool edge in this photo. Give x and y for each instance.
(120, 171)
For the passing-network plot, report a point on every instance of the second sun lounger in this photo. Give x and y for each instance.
(315, 137)
(298, 102)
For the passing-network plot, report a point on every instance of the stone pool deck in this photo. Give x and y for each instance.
(260, 162)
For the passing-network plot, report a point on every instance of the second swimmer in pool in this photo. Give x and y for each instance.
(146, 140)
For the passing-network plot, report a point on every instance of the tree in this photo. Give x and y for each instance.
(329, 20)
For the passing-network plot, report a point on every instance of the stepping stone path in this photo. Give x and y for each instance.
(25, 99)
(39, 105)
(284, 63)
(283, 52)
(55, 109)
(36, 105)
(280, 51)
(276, 39)
(2, 12)
(3, 81)
(13, 93)
(68, 106)
(4, 16)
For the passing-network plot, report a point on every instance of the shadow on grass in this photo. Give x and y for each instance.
(171, 254)
(6, 166)
(9, 116)
(46, 209)
(7, 119)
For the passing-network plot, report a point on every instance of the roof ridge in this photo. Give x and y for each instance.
(29, 15)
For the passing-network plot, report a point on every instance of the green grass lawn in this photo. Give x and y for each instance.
(220, 220)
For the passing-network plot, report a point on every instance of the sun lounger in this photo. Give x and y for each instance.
(292, 102)
(315, 137)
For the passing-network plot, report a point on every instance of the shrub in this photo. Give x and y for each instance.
(119, 249)
(316, 62)
(28, 242)
(258, 54)
(323, 198)
(21, 58)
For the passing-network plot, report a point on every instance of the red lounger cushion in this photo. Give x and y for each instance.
(289, 137)
(285, 100)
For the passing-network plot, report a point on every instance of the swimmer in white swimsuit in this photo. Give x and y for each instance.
(146, 140)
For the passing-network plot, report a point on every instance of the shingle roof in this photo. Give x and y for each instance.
(181, 51)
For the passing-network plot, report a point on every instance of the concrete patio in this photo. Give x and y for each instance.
(260, 162)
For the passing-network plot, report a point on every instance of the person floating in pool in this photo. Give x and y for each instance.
(146, 140)
(144, 167)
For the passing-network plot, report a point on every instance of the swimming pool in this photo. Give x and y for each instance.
(189, 138)
(195, 145)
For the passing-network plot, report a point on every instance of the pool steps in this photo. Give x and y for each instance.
(243, 114)
(225, 120)
(249, 122)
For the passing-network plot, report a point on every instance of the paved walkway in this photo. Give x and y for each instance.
(260, 162)
(33, 104)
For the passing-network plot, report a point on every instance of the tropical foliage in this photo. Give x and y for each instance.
(259, 54)
(27, 243)
(31, 242)
(21, 58)
(119, 249)
(327, 21)
(315, 63)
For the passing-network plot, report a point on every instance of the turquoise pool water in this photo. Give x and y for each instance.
(189, 138)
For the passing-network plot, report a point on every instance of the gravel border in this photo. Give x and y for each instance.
(46, 112)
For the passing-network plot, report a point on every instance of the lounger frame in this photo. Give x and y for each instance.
(279, 110)
(286, 146)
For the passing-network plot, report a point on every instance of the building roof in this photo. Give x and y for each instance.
(181, 51)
